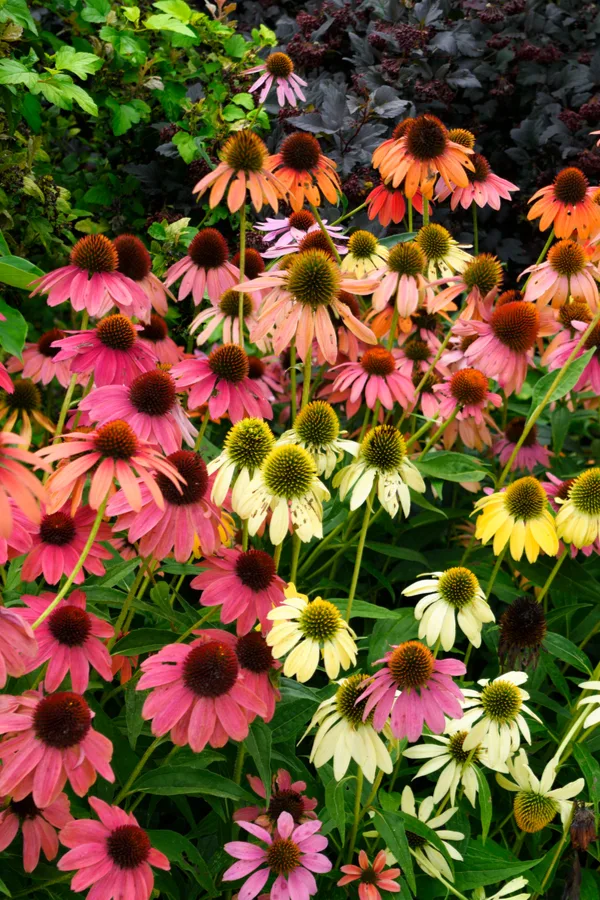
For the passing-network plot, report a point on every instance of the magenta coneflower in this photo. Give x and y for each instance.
(426, 691)
(469, 391)
(18, 645)
(111, 351)
(556, 358)
(91, 281)
(375, 378)
(566, 273)
(135, 263)
(199, 694)
(485, 188)
(5, 379)
(20, 539)
(149, 404)
(58, 543)
(278, 70)
(286, 796)
(226, 312)
(155, 335)
(371, 877)
(52, 741)
(39, 361)
(37, 825)
(186, 514)
(205, 268)
(259, 670)
(530, 454)
(292, 855)
(69, 641)
(114, 855)
(113, 451)
(388, 204)
(222, 381)
(402, 279)
(245, 583)
(17, 483)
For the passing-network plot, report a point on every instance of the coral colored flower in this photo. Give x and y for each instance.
(51, 742)
(414, 689)
(113, 451)
(222, 381)
(519, 516)
(37, 825)
(305, 172)
(402, 278)
(291, 855)
(286, 796)
(111, 351)
(480, 280)
(5, 379)
(91, 281)
(39, 361)
(135, 263)
(567, 205)
(155, 336)
(278, 70)
(467, 390)
(205, 268)
(558, 356)
(244, 583)
(445, 256)
(123, 666)
(371, 877)
(20, 539)
(302, 301)
(375, 379)
(18, 645)
(149, 404)
(485, 188)
(186, 514)
(388, 204)
(24, 405)
(530, 454)
(289, 233)
(566, 274)
(199, 693)
(17, 483)
(417, 158)
(226, 313)
(68, 640)
(58, 543)
(114, 856)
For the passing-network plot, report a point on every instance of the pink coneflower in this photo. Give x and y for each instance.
(149, 404)
(469, 390)
(69, 641)
(17, 483)
(114, 855)
(485, 188)
(402, 279)
(91, 281)
(199, 694)
(480, 280)
(205, 268)
(39, 361)
(371, 877)
(286, 796)
(557, 357)
(267, 372)
(292, 855)
(531, 453)
(245, 583)
(58, 543)
(111, 351)
(185, 515)
(226, 313)
(17, 644)
(427, 691)
(155, 336)
(52, 742)
(375, 379)
(113, 451)
(388, 204)
(5, 379)
(222, 381)
(278, 70)
(135, 263)
(567, 272)
(290, 232)
(568, 205)
(37, 825)
(20, 539)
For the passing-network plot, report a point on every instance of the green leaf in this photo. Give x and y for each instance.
(131, 13)
(17, 11)
(118, 572)
(96, 11)
(13, 72)
(590, 769)
(4, 889)
(169, 781)
(13, 331)
(177, 8)
(365, 610)
(392, 239)
(488, 864)
(451, 466)
(232, 113)
(134, 701)
(560, 419)
(569, 652)
(390, 826)
(165, 22)
(335, 802)
(143, 640)
(236, 46)
(485, 803)
(82, 64)
(179, 849)
(245, 100)
(62, 92)
(126, 115)
(397, 552)
(4, 248)
(258, 745)
(32, 113)
(186, 145)
(385, 633)
(566, 384)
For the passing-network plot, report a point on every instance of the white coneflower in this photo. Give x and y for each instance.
(536, 803)
(594, 700)
(317, 429)
(505, 893)
(245, 449)
(445, 256)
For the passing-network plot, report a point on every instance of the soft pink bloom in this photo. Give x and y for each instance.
(205, 268)
(39, 361)
(371, 877)
(296, 883)
(427, 702)
(37, 825)
(20, 539)
(278, 70)
(548, 282)
(245, 583)
(564, 344)
(17, 483)
(135, 263)
(467, 389)
(226, 313)
(288, 233)
(375, 378)
(407, 291)
(268, 373)
(155, 336)
(221, 380)
(388, 204)
(111, 351)
(475, 303)
(531, 453)
(149, 404)
(485, 188)
(114, 452)
(58, 543)
(68, 640)
(186, 514)
(199, 694)
(286, 796)
(51, 742)
(17, 644)
(5, 379)
(114, 855)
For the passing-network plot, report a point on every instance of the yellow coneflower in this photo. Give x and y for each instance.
(519, 515)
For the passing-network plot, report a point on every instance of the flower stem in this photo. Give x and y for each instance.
(475, 229)
(450, 887)
(428, 372)
(356, 819)
(546, 399)
(543, 253)
(322, 544)
(202, 431)
(126, 605)
(245, 535)
(372, 793)
(76, 568)
(277, 555)
(321, 225)
(242, 266)
(197, 625)
(434, 439)
(425, 211)
(553, 861)
(136, 772)
(552, 575)
(296, 544)
(349, 215)
(239, 763)
(410, 213)
(359, 551)
(415, 437)
(495, 571)
(294, 392)
(69, 395)
(307, 375)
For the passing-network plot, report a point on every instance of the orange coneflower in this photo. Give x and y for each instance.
(246, 159)
(420, 155)
(304, 170)
(567, 204)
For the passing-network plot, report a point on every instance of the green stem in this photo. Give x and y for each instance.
(450, 887)
(202, 431)
(307, 375)
(495, 571)
(425, 211)
(294, 392)
(415, 437)
(435, 438)
(372, 793)
(69, 395)
(86, 391)
(359, 551)
(136, 772)
(77, 567)
(245, 535)
(552, 575)
(356, 818)
(349, 215)
(553, 861)
(365, 423)
(197, 624)
(242, 266)
(126, 605)
(239, 763)
(428, 372)
(543, 253)
(277, 555)
(393, 327)
(321, 225)
(322, 545)
(296, 544)
(475, 229)
(410, 213)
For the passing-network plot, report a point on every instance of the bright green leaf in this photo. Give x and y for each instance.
(14, 330)
(173, 780)
(14, 72)
(177, 8)
(258, 745)
(390, 826)
(566, 384)
(143, 640)
(485, 803)
(564, 649)
(186, 145)
(451, 466)
(17, 272)
(82, 64)
(165, 22)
